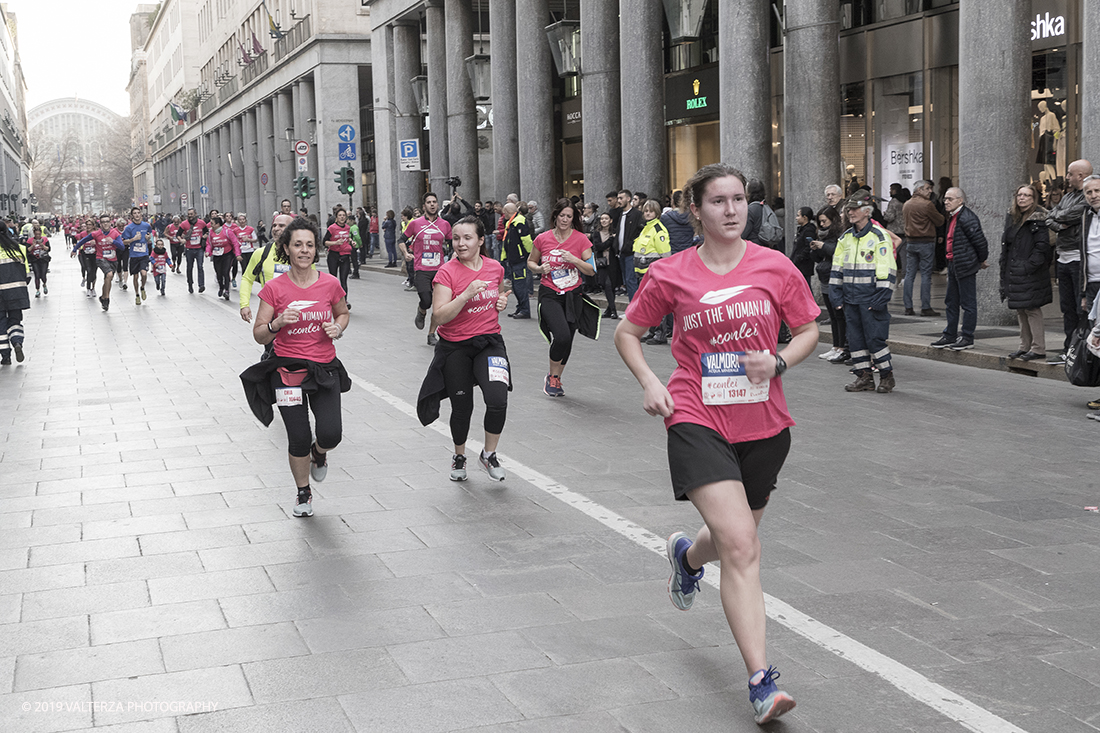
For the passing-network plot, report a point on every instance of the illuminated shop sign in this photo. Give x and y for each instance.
(691, 94)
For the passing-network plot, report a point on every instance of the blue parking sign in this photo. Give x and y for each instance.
(347, 151)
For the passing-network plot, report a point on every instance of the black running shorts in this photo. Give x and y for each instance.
(698, 456)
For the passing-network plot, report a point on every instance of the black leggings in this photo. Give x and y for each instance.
(423, 280)
(40, 266)
(837, 322)
(338, 266)
(223, 264)
(607, 282)
(177, 254)
(460, 371)
(88, 268)
(325, 404)
(552, 318)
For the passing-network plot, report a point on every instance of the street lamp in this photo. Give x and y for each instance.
(565, 46)
(478, 67)
(685, 19)
(420, 93)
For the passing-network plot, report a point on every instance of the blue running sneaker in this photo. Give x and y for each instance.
(681, 586)
(768, 701)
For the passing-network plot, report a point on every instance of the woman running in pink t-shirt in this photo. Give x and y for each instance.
(466, 302)
(727, 419)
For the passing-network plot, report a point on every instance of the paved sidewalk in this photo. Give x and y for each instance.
(150, 569)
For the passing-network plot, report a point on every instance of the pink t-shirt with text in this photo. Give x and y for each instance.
(305, 339)
(428, 238)
(563, 276)
(246, 235)
(479, 315)
(716, 320)
(339, 239)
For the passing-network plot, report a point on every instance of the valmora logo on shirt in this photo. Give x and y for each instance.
(714, 297)
(301, 305)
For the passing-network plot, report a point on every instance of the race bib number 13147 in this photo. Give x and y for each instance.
(725, 383)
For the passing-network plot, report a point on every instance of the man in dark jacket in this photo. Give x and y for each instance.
(1065, 221)
(967, 252)
(629, 226)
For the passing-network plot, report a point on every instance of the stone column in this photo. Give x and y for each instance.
(1090, 82)
(225, 137)
(643, 95)
(994, 127)
(437, 95)
(265, 139)
(601, 125)
(194, 174)
(502, 24)
(250, 166)
(309, 131)
(811, 104)
(461, 112)
(212, 177)
(744, 81)
(285, 166)
(385, 130)
(534, 67)
(237, 174)
(338, 100)
(406, 65)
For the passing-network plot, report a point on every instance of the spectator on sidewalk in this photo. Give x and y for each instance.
(1025, 270)
(895, 222)
(1065, 221)
(967, 252)
(920, 221)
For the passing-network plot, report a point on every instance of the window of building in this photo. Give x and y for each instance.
(853, 130)
(1050, 119)
(898, 128)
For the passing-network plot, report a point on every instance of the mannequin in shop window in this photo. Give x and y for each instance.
(1050, 130)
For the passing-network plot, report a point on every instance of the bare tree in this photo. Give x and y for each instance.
(56, 163)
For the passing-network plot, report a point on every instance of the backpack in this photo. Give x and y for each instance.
(770, 234)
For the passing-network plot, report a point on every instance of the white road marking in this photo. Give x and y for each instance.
(912, 683)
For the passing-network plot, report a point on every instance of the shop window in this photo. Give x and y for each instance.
(943, 148)
(853, 131)
(898, 128)
(690, 147)
(1049, 120)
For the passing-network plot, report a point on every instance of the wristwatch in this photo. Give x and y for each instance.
(780, 365)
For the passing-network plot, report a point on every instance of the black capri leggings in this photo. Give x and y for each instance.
(40, 267)
(423, 280)
(552, 319)
(338, 266)
(464, 367)
(325, 404)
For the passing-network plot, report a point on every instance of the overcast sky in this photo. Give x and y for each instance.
(75, 48)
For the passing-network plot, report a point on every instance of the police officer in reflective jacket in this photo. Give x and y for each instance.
(862, 279)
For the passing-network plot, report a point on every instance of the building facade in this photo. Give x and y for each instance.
(235, 85)
(78, 145)
(141, 152)
(16, 196)
(589, 96)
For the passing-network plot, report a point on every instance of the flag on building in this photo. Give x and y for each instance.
(257, 49)
(273, 27)
(245, 58)
(179, 117)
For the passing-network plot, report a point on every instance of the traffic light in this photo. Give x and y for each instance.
(340, 177)
(311, 187)
(349, 180)
(300, 187)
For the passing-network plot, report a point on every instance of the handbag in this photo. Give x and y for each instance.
(1082, 366)
(602, 261)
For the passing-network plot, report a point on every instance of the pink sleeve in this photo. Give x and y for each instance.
(268, 295)
(798, 307)
(443, 277)
(650, 303)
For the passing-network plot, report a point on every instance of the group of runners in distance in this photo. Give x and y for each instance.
(727, 422)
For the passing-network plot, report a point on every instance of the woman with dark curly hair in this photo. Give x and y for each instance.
(303, 313)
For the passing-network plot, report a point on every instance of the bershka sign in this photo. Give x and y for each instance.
(1045, 26)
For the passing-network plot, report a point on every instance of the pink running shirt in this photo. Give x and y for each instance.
(479, 315)
(305, 339)
(428, 238)
(716, 320)
(563, 276)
